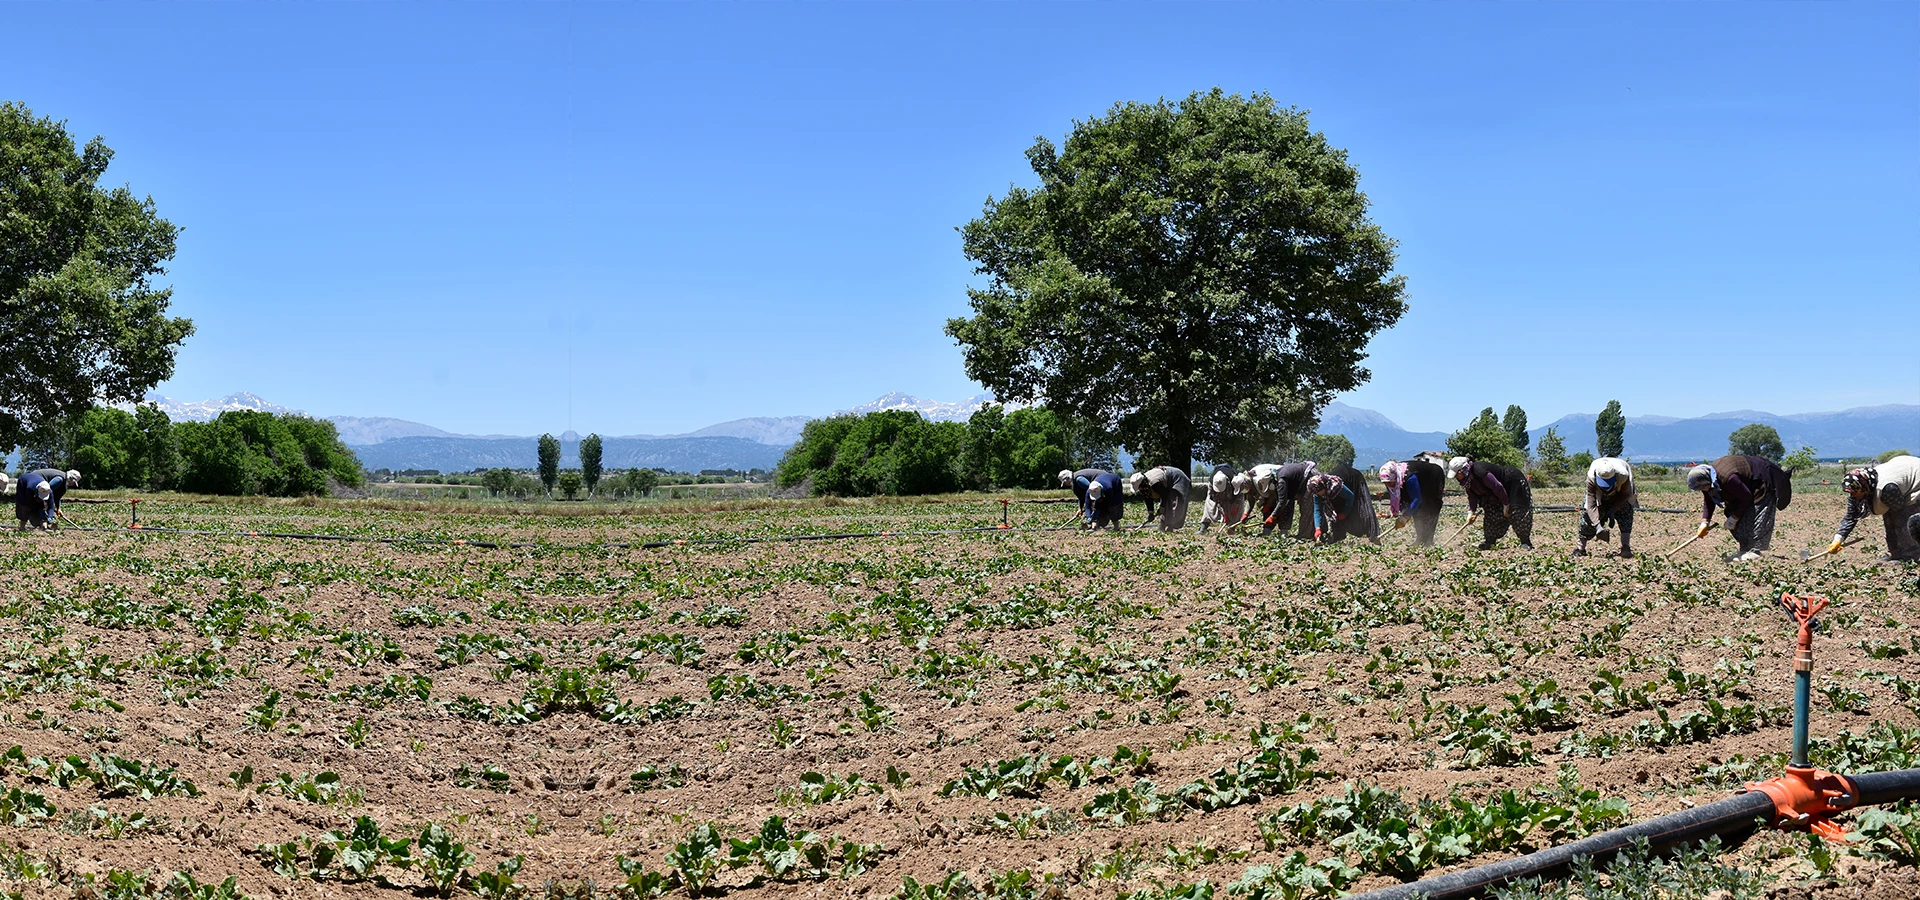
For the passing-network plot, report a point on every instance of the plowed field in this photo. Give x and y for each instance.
(1014, 714)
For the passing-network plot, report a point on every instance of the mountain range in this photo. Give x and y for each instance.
(759, 442)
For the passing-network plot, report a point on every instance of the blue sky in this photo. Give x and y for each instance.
(740, 209)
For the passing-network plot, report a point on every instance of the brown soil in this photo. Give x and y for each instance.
(947, 635)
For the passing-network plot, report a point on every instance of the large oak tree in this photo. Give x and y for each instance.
(83, 319)
(1194, 277)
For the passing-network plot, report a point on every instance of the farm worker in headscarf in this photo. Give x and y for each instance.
(1079, 482)
(1752, 489)
(33, 502)
(1890, 490)
(1223, 499)
(1611, 500)
(1342, 506)
(1414, 489)
(1105, 506)
(1168, 485)
(1502, 493)
(1280, 489)
(59, 482)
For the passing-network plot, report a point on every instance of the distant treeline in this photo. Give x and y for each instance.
(901, 452)
(239, 452)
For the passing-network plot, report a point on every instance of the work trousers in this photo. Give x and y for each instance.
(1281, 511)
(1520, 497)
(1223, 507)
(1901, 540)
(1754, 531)
(1620, 515)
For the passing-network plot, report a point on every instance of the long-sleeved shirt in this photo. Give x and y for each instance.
(1081, 479)
(1896, 486)
(1599, 501)
(27, 505)
(1483, 485)
(1328, 510)
(1406, 493)
(1111, 505)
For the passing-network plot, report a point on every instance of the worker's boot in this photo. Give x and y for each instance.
(1580, 550)
(1626, 547)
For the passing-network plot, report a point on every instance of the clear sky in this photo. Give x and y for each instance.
(742, 209)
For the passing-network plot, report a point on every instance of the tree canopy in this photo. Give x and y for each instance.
(1328, 451)
(1757, 440)
(549, 450)
(1515, 424)
(1485, 440)
(252, 452)
(77, 262)
(894, 451)
(1610, 430)
(1198, 275)
(590, 462)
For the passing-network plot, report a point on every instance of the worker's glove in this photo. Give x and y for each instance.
(1507, 511)
(1316, 535)
(1399, 523)
(1269, 521)
(1834, 547)
(1703, 528)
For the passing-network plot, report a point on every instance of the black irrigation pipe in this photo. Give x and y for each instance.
(1738, 813)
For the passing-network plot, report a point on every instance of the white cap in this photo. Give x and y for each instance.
(1094, 490)
(44, 489)
(1138, 479)
(1457, 465)
(73, 477)
(1221, 482)
(1066, 478)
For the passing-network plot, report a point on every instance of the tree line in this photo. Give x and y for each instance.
(239, 452)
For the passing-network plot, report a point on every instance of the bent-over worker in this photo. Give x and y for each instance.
(1342, 506)
(1168, 486)
(1890, 490)
(1280, 490)
(1610, 501)
(33, 503)
(1078, 482)
(1105, 506)
(1223, 499)
(1752, 489)
(1414, 490)
(1502, 494)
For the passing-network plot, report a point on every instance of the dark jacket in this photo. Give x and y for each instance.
(1493, 485)
(1112, 506)
(1744, 480)
(1083, 478)
(27, 505)
(1423, 487)
(57, 479)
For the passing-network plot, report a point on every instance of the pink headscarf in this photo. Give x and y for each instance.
(1394, 473)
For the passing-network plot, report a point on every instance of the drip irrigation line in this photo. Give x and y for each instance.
(343, 538)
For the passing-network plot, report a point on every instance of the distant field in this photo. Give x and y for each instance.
(1099, 714)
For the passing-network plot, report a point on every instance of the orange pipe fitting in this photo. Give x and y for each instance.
(1808, 798)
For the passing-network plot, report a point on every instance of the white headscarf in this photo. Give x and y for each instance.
(1066, 478)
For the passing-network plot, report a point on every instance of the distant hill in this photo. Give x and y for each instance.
(1375, 437)
(1862, 431)
(204, 410)
(934, 410)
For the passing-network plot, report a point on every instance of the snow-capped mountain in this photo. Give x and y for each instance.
(203, 410)
(935, 410)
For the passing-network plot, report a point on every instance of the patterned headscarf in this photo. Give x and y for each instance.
(1458, 466)
(1243, 482)
(1393, 473)
(1700, 478)
(1222, 482)
(1861, 482)
(1323, 485)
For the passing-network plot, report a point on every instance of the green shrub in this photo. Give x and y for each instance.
(887, 452)
(251, 452)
